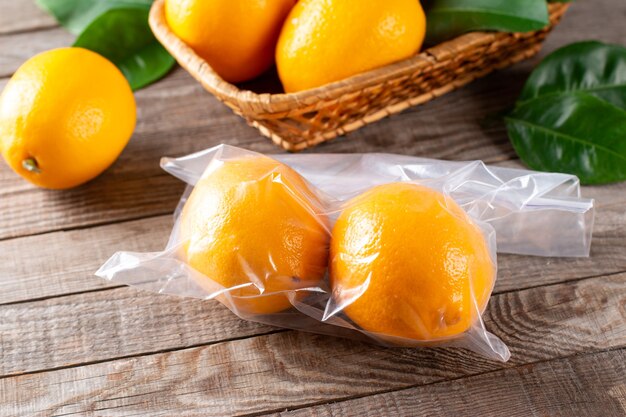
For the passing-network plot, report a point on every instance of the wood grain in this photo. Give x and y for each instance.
(56, 272)
(592, 385)
(177, 117)
(111, 324)
(18, 47)
(158, 356)
(292, 369)
(181, 118)
(23, 16)
(65, 262)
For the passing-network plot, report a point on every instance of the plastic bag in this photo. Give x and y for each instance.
(305, 251)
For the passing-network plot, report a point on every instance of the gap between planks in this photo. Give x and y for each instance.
(23, 16)
(43, 27)
(165, 213)
(548, 323)
(316, 408)
(52, 275)
(178, 117)
(69, 294)
(513, 278)
(146, 353)
(133, 217)
(511, 161)
(329, 408)
(582, 31)
(197, 314)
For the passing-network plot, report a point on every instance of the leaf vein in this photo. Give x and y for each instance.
(565, 136)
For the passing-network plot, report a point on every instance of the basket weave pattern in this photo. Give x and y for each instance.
(300, 120)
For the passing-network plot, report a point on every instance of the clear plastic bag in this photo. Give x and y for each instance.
(306, 244)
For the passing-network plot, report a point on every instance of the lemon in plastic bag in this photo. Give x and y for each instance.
(253, 226)
(407, 261)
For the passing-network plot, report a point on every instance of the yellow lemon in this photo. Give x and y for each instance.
(236, 37)
(65, 116)
(255, 224)
(328, 40)
(421, 268)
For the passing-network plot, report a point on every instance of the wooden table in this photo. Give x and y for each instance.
(72, 344)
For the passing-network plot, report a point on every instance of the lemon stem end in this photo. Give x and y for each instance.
(30, 165)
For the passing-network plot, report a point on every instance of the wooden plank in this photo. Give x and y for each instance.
(23, 16)
(590, 20)
(584, 386)
(28, 211)
(292, 369)
(111, 324)
(178, 117)
(101, 312)
(121, 194)
(144, 384)
(53, 272)
(64, 262)
(135, 186)
(18, 47)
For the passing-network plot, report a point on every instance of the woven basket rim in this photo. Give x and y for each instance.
(226, 91)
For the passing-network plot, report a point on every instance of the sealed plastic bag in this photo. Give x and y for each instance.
(392, 249)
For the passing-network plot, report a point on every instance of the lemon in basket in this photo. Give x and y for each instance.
(254, 226)
(328, 40)
(412, 263)
(237, 38)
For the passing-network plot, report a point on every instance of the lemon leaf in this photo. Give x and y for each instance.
(576, 133)
(589, 66)
(449, 18)
(571, 115)
(123, 36)
(76, 15)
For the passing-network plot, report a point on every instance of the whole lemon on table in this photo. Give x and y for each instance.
(328, 40)
(255, 224)
(65, 116)
(236, 37)
(412, 261)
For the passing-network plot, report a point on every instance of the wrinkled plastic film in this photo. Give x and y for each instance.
(533, 213)
(517, 211)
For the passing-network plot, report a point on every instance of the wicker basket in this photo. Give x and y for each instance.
(300, 120)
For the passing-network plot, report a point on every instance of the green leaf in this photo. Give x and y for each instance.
(76, 15)
(571, 115)
(123, 36)
(593, 67)
(450, 18)
(576, 133)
